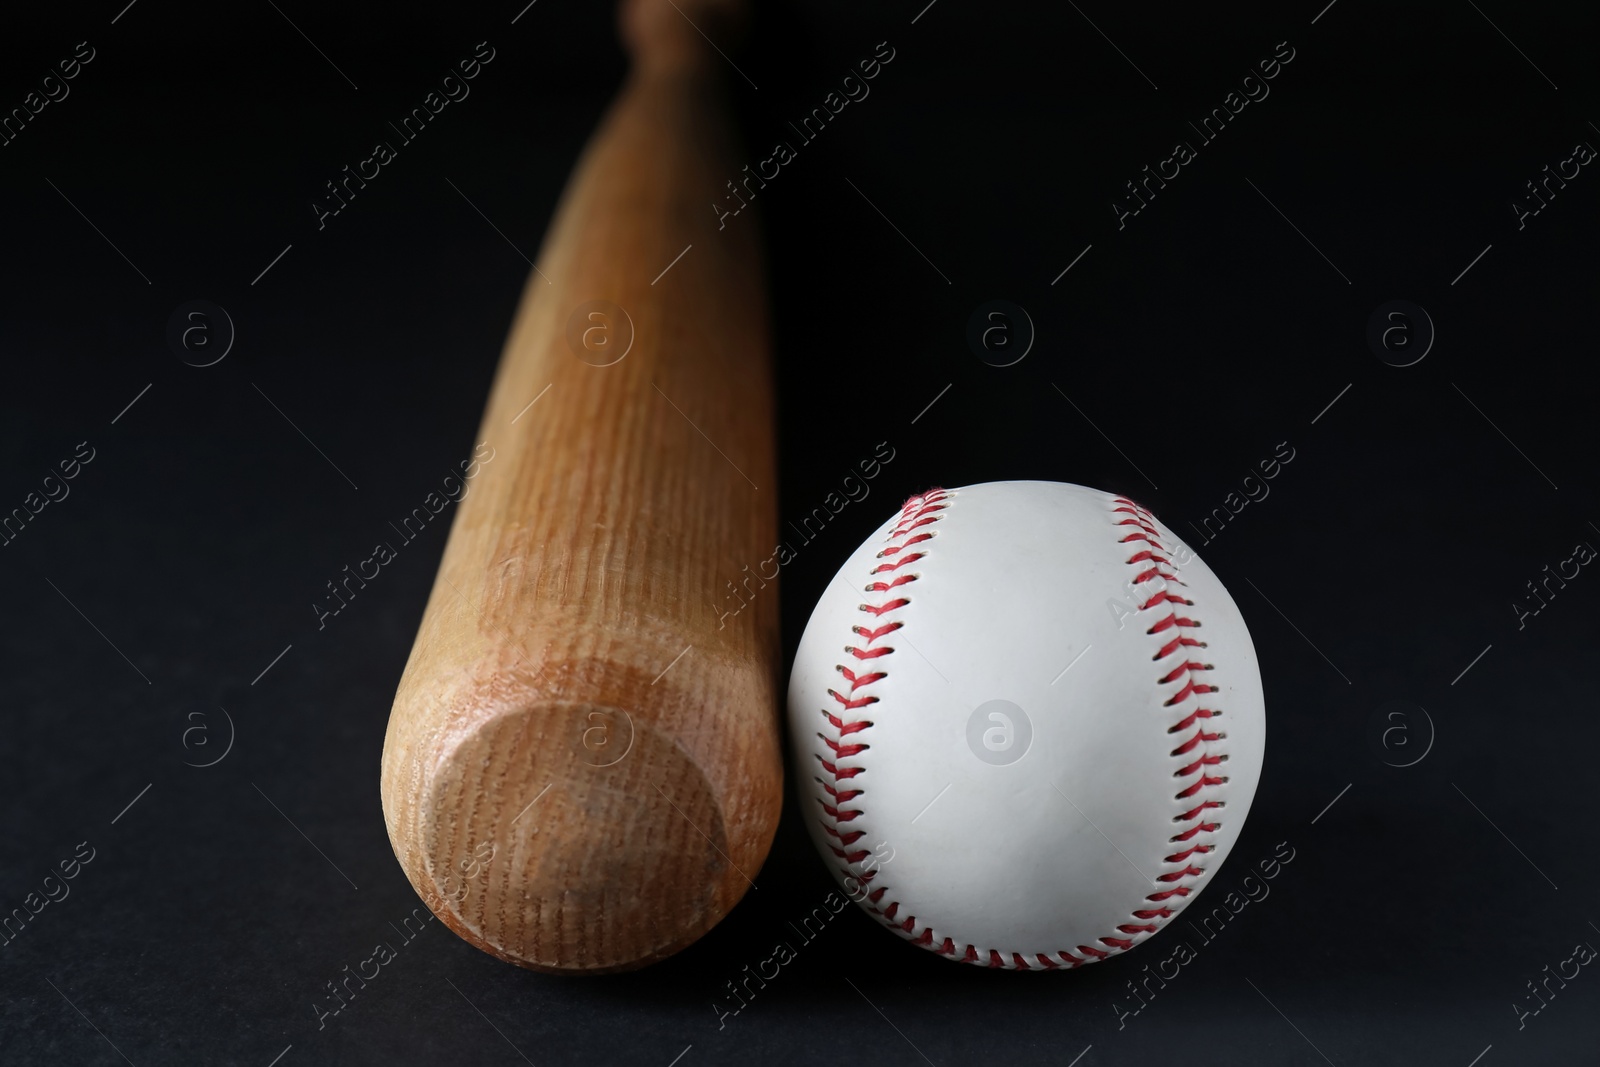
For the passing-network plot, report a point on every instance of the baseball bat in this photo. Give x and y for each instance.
(582, 770)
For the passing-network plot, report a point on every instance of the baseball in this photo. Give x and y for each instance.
(1027, 724)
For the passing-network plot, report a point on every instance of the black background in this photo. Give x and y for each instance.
(1196, 339)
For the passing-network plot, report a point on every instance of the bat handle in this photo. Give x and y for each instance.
(663, 35)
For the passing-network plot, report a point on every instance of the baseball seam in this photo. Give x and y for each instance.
(918, 513)
(1198, 752)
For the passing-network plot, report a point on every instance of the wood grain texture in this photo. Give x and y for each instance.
(554, 797)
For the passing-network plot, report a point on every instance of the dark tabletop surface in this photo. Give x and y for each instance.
(157, 609)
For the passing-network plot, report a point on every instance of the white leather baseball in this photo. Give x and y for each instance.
(1062, 833)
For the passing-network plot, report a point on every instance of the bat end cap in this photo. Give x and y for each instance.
(581, 840)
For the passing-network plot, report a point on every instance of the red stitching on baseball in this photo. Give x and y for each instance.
(917, 512)
(857, 681)
(843, 751)
(845, 728)
(873, 635)
(907, 544)
(1151, 561)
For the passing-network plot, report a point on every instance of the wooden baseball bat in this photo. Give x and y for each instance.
(582, 768)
